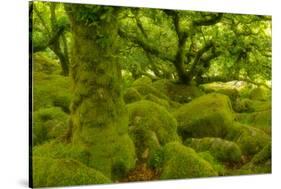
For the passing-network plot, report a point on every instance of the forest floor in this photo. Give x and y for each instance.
(178, 131)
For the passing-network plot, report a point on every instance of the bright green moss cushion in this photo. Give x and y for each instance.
(49, 172)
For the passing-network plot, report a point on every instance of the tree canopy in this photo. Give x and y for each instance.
(183, 45)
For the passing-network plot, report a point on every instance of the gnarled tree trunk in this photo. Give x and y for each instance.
(99, 118)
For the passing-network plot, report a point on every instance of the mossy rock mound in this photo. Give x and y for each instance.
(146, 142)
(57, 149)
(260, 93)
(113, 155)
(260, 163)
(48, 123)
(248, 105)
(160, 101)
(250, 140)
(148, 89)
(261, 120)
(151, 116)
(144, 80)
(206, 116)
(114, 160)
(131, 95)
(51, 90)
(177, 92)
(222, 88)
(183, 162)
(222, 150)
(49, 172)
(41, 63)
(217, 166)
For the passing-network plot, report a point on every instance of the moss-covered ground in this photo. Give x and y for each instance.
(175, 131)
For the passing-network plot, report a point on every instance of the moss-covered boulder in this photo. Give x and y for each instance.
(227, 89)
(99, 157)
(42, 63)
(146, 142)
(151, 116)
(261, 120)
(250, 140)
(57, 149)
(183, 162)
(177, 92)
(222, 150)
(113, 155)
(217, 166)
(131, 95)
(160, 101)
(260, 93)
(260, 163)
(47, 172)
(48, 123)
(51, 90)
(148, 89)
(144, 80)
(248, 105)
(206, 116)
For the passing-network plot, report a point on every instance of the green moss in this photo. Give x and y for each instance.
(222, 88)
(248, 105)
(131, 95)
(157, 100)
(146, 142)
(206, 116)
(48, 123)
(260, 163)
(49, 172)
(142, 81)
(107, 149)
(151, 116)
(222, 150)
(156, 159)
(51, 90)
(41, 63)
(59, 150)
(184, 162)
(261, 120)
(148, 89)
(250, 140)
(177, 92)
(217, 166)
(260, 93)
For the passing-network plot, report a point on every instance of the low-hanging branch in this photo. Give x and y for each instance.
(146, 46)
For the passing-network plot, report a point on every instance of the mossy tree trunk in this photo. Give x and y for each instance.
(99, 120)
